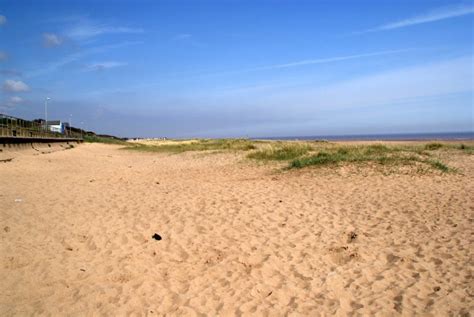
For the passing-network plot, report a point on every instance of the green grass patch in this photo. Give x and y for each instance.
(469, 149)
(439, 165)
(198, 145)
(280, 152)
(322, 158)
(101, 139)
(300, 154)
(377, 149)
(433, 146)
(379, 154)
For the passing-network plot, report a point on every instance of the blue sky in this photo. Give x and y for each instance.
(240, 68)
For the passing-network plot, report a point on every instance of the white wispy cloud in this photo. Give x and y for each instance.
(10, 72)
(330, 59)
(446, 77)
(188, 39)
(16, 99)
(430, 16)
(104, 65)
(3, 56)
(263, 68)
(11, 85)
(51, 40)
(85, 29)
(78, 56)
(3, 20)
(11, 102)
(399, 90)
(183, 36)
(311, 62)
(378, 89)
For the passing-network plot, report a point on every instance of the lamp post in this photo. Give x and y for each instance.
(46, 113)
(70, 125)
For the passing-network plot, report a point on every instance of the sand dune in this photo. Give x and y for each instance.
(237, 238)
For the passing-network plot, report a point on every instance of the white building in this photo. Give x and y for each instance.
(58, 126)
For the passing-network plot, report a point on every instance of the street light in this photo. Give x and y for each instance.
(70, 125)
(46, 112)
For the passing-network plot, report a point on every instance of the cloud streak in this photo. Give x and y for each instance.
(400, 91)
(11, 102)
(183, 36)
(104, 66)
(269, 67)
(186, 38)
(51, 40)
(10, 72)
(312, 62)
(3, 20)
(16, 99)
(329, 59)
(11, 85)
(375, 90)
(430, 16)
(87, 29)
(447, 77)
(78, 56)
(301, 107)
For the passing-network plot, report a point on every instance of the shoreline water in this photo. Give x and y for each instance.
(442, 136)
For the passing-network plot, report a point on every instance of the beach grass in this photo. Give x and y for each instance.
(101, 139)
(195, 145)
(379, 154)
(433, 146)
(281, 151)
(301, 154)
(468, 149)
(439, 165)
(450, 146)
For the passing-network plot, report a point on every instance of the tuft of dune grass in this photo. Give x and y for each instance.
(433, 146)
(301, 154)
(280, 152)
(101, 139)
(469, 149)
(379, 154)
(439, 165)
(199, 145)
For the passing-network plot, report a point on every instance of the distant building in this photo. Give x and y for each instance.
(58, 126)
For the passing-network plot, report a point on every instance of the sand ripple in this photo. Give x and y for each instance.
(238, 239)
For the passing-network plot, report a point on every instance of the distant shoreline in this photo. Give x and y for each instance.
(443, 136)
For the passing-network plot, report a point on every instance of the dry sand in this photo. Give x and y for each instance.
(238, 238)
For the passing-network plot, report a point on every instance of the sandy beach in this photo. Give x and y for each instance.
(238, 237)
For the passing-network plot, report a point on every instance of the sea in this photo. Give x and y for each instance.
(451, 136)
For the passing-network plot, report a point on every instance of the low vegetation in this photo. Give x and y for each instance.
(300, 154)
(196, 145)
(433, 146)
(103, 139)
(469, 149)
(378, 154)
(280, 151)
(450, 146)
(439, 165)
